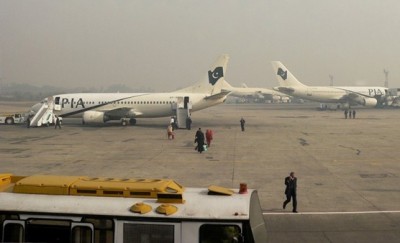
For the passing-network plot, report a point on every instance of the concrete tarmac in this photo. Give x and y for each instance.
(348, 169)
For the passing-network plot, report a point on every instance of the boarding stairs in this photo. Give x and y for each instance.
(182, 111)
(45, 115)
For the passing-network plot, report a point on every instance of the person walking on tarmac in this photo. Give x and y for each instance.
(354, 114)
(199, 139)
(291, 191)
(188, 123)
(345, 114)
(242, 122)
(58, 123)
(28, 122)
(173, 122)
(209, 137)
(170, 133)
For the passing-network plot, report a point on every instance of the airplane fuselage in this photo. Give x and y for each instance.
(139, 104)
(126, 107)
(333, 94)
(365, 96)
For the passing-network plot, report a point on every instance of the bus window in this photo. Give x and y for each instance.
(153, 233)
(48, 230)
(82, 233)
(103, 229)
(13, 231)
(3, 217)
(220, 233)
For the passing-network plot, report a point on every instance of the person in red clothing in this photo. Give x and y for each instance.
(209, 137)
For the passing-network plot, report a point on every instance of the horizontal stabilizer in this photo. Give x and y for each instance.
(218, 96)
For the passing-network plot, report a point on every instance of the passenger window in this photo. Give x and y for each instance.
(6, 217)
(81, 234)
(153, 233)
(220, 233)
(38, 230)
(103, 229)
(14, 233)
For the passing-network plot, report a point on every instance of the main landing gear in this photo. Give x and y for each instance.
(126, 121)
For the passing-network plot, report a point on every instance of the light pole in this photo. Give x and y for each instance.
(331, 78)
(386, 72)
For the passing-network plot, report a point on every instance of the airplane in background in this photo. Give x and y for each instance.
(255, 93)
(126, 107)
(347, 96)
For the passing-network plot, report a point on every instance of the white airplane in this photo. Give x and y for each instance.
(259, 93)
(126, 107)
(347, 96)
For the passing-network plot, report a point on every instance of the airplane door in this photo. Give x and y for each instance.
(186, 102)
(57, 103)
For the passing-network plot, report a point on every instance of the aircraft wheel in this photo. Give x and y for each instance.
(132, 121)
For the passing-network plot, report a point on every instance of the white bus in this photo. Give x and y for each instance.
(46, 208)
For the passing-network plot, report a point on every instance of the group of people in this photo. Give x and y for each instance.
(202, 141)
(349, 113)
(199, 140)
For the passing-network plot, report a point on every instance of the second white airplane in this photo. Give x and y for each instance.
(126, 107)
(259, 93)
(347, 96)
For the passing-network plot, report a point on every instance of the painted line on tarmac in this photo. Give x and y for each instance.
(327, 213)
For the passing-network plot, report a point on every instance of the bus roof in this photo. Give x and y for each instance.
(194, 203)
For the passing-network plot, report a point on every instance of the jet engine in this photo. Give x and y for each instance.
(367, 102)
(370, 102)
(90, 117)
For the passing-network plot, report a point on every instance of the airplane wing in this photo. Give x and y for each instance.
(354, 98)
(286, 90)
(218, 96)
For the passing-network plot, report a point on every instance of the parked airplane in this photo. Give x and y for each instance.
(257, 93)
(347, 96)
(126, 107)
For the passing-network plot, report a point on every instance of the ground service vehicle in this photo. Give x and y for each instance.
(46, 208)
(11, 118)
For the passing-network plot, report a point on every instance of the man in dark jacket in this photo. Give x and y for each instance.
(199, 139)
(242, 122)
(291, 191)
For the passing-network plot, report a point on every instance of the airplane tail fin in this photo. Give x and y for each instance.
(244, 85)
(226, 85)
(212, 82)
(284, 76)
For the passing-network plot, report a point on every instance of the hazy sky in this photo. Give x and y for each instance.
(169, 44)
